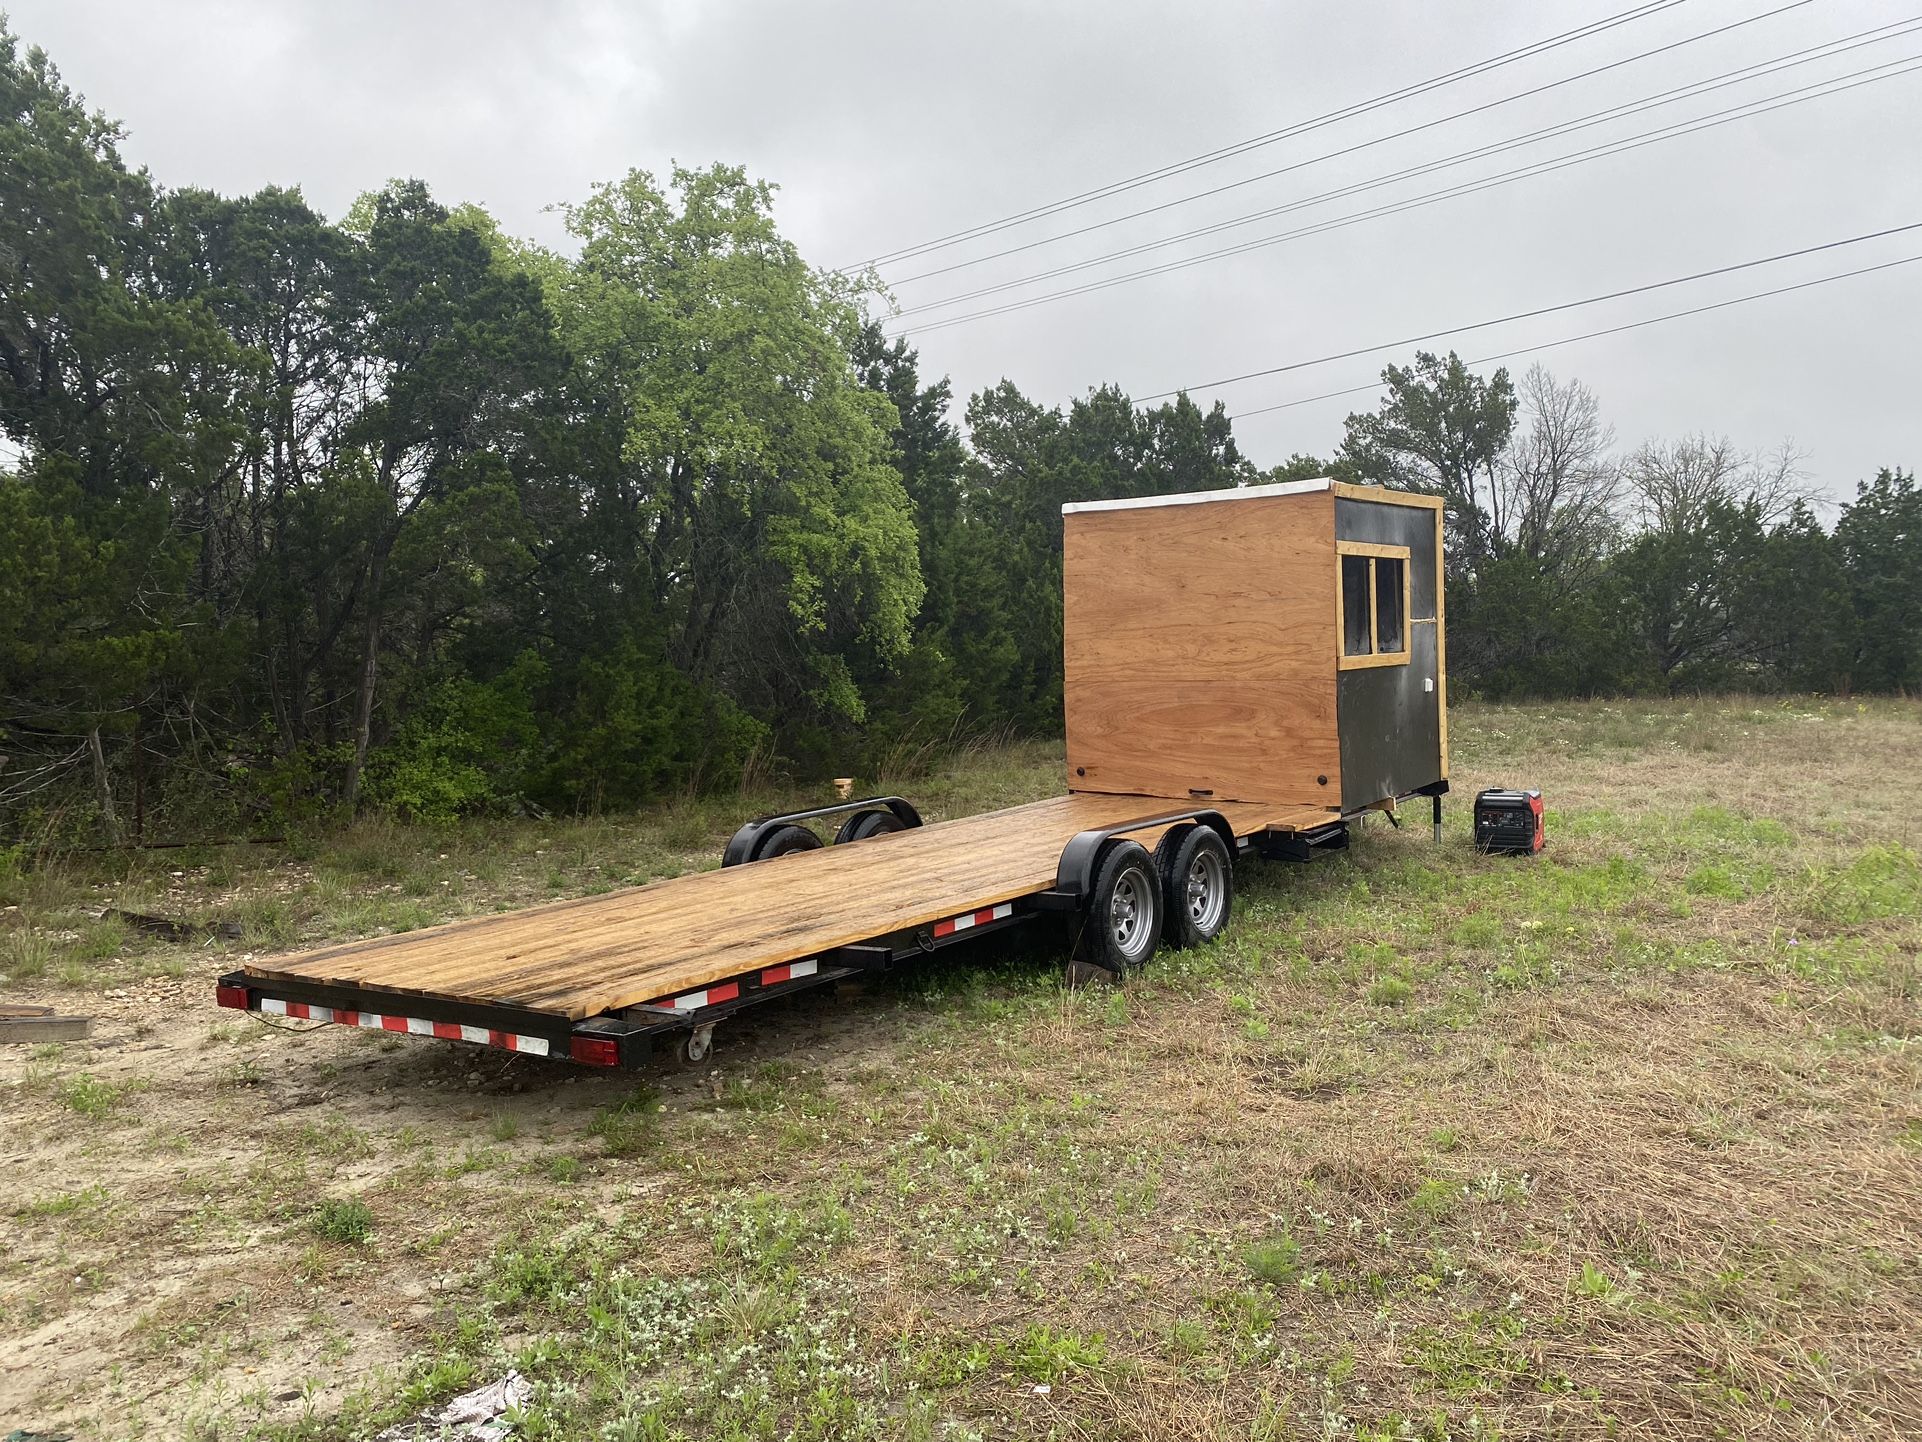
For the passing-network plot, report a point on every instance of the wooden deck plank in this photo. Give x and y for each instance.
(595, 954)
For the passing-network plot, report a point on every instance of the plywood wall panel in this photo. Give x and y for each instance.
(1200, 651)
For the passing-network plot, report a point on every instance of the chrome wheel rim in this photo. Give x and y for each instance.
(1131, 912)
(1207, 892)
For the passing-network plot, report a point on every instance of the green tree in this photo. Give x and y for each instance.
(450, 343)
(1687, 593)
(919, 701)
(752, 500)
(1443, 430)
(1879, 536)
(116, 397)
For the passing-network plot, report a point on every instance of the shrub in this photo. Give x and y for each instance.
(460, 751)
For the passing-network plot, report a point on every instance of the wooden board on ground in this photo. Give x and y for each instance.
(38, 1023)
(600, 953)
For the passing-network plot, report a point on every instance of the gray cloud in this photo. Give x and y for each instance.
(890, 124)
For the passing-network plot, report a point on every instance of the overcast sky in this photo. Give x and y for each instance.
(886, 125)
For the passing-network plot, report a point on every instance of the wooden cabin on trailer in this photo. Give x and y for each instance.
(1280, 644)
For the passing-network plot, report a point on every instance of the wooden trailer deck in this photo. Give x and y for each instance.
(583, 958)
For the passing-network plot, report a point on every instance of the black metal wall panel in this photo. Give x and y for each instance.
(1389, 717)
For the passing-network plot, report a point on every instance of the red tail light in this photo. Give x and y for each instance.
(595, 1050)
(233, 996)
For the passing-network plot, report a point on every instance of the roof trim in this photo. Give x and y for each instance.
(1196, 498)
(1381, 495)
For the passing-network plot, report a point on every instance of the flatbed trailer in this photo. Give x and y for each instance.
(609, 980)
(1199, 625)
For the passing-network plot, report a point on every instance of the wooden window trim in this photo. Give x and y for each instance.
(1374, 551)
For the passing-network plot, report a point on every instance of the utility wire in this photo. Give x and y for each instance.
(1714, 120)
(1595, 334)
(1539, 311)
(1400, 134)
(1740, 75)
(1209, 157)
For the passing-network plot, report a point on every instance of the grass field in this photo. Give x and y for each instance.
(1623, 1141)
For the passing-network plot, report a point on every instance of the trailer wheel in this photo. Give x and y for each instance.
(784, 841)
(695, 1046)
(1198, 885)
(1124, 914)
(863, 824)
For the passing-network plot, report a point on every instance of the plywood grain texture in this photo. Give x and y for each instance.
(1199, 654)
(597, 954)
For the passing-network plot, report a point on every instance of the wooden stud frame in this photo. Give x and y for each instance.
(1374, 552)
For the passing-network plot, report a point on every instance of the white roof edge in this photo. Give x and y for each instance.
(1196, 498)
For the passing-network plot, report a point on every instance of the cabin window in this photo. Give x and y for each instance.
(1374, 604)
(1354, 607)
(1390, 574)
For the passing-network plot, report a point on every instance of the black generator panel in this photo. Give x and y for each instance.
(1508, 821)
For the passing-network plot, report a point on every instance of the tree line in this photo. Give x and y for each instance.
(301, 516)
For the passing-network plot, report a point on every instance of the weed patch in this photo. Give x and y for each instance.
(1275, 1261)
(342, 1220)
(631, 1127)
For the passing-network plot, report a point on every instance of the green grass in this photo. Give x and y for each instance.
(1275, 1261)
(91, 1096)
(1428, 1145)
(1046, 1355)
(348, 1221)
(631, 1126)
(25, 955)
(65, 1204)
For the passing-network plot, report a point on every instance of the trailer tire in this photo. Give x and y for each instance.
(784, 841)
(1124, 911)
(1197, 885)
(695, 1047)
(863, 824)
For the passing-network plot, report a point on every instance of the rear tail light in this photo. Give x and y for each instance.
(233, 996)
(595, 1050)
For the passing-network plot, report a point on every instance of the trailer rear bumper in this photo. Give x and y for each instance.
(627, 1038)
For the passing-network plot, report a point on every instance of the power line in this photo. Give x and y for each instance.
(1209, 157)
(1595, 334)
(1742, 74)
(1714, 120)
(1363, 145)
(1538, 311)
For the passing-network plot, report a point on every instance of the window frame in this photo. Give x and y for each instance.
(1373, 552)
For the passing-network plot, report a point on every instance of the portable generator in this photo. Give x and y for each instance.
(1508, 821)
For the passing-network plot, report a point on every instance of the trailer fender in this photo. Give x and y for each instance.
(1074, 876)
(740, 847)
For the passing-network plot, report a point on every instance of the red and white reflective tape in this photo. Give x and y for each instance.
(412, 1025)
(974, 919)
(774, 975)
(730, 990)
(710, 996)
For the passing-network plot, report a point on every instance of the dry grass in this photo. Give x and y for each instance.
(1631, 1147)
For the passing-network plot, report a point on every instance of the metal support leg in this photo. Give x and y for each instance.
(1437, 801)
